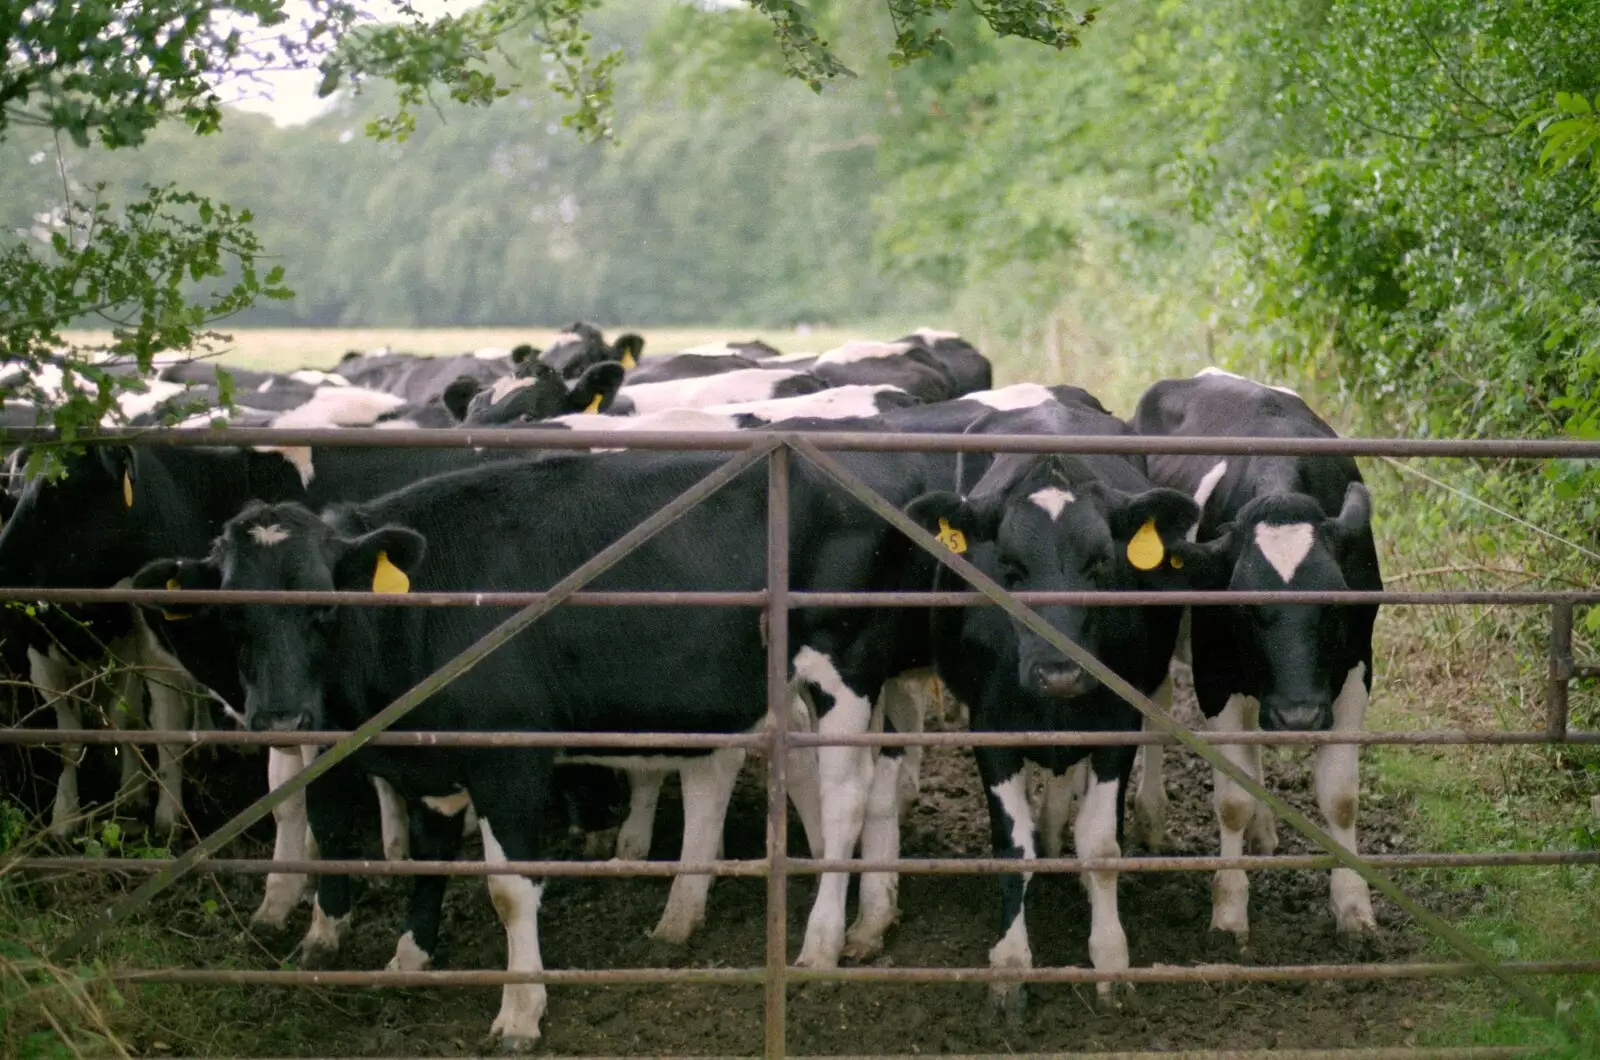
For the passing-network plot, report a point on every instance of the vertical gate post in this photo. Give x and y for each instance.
(1556, 685)
(778, 750)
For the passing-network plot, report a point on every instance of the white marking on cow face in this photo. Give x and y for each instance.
(447, 805)
(1203, 492)
(507, 386)
(863, 350)
(1285, 547)
(934, 335)
(1053, 500)
(1017, 396)
(267, 536)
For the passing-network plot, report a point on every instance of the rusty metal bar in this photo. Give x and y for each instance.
(1560, 675)
(513, 438)
(1160, 719)
(706, 741)
(428, 686)
(1463, 1052)
(776, 1022)
(1205, 973)
(798, 598)
(806, 866)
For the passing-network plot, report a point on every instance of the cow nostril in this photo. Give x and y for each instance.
(1059, 679)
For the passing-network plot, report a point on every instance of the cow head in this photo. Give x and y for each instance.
(71, 530)
(1051, 524)
(538, 392)
(285, 654)
(1297, 655)
(582, 346)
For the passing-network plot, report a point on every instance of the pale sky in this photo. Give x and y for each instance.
(289, 97)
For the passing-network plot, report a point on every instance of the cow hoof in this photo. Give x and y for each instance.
(315, 958)
(1356, 923)
(598, 846)
(1010, 1002)
(674, 931)
(515, 1044)
(1116, 997)
(861, 949)
(270, 920)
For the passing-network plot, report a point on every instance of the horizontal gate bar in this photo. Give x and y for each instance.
(513, 438)
(758, 598)
(1205, 973)
(1461, 1052)
(807, 866)
(707, 741)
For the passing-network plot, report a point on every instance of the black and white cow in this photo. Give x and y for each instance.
(968, 369)
(581, 346)
(1059, 523)
(1275, 522)
(303, 668)
(736, 387)
(906, 365)
(538, 392)
(419, 379)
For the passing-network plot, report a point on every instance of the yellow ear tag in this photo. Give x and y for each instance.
(1177, 562)
(593, 408)
(388, 578)
(627, 360)
(1145, 551)
(127, 490)
(172, 616)
(952, 538)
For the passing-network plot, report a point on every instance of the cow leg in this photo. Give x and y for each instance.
(285, 889)
(170, 710)
(1150, 797)
(1230, 890)
(333, 804)
(1005, 784)
(845, 775)
(133, 791)
(392, 821)
(52, 676)
(887, 796)
(805, 786)
(435, 836)
(1095, 836)
(511, 805)
(1061, 794)
(1338, 796)
(637, 832)
(707, 787)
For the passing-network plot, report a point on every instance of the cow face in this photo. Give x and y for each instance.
(1059, 528)
(582, 346)
(538, 393)
(285, 655)
(1297, 656)
(70, 531)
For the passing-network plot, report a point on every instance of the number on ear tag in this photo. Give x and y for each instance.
(387, 578)
(173, 616)
(628, 362)
(1146, 551)
(951, 538)
(127, 490)
(593, 408)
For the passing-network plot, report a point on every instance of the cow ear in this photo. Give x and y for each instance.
(459, 394)
(177, 574)
(629, 348)
(956, 521)
(524, 354)
(597, 388)
(1148, 526)
(381, 561)
(1354, 520)
(119, 465)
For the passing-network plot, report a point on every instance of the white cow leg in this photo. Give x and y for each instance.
(1009, 796)
(393, 821)
(1230, 890)
(846, 776)
(637, 832)
(516, 900)
(1061, 794)
(804, 784)
(707, 787)
(1338, 797)
(133, 792)
(170, 710)
(284, 889)
(1150, 797)
(1095, 836)
(52, 675)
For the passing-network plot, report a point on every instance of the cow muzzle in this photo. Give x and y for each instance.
(1299, 715)
(1060, 680)
(279, 722)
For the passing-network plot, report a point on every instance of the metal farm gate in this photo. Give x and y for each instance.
(777, 450)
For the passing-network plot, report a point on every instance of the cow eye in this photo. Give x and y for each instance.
(1012, 572)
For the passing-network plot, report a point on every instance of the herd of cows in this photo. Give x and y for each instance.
(390, 520)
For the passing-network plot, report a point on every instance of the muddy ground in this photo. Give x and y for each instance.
(945, 922)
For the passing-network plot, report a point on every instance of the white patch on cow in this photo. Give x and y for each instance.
(491, 353)
(934, 335)
(708, 349)
(326, 932)
(837, 403)
(1012, 951)
(1012, 794)
(298, 456)
(268, 385)
(393, 821)
(844, 776)
(447, 805)
(664, 420)
(1213, 370)
(335, 406)
(1338, 797)
(707, 788)
(1208, 486)
(156, 391)
(284, 890)
(1053, 500)
(408, 956)
(1095, 836)
(563, 338)
(863, 350)
(1285, 546)
(267, 536)
(1236, 810)
(316, 378)
(746, 384)
(396, 425)
(516, 899)
(507, 386)
(789, 358)
(1016, 396)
